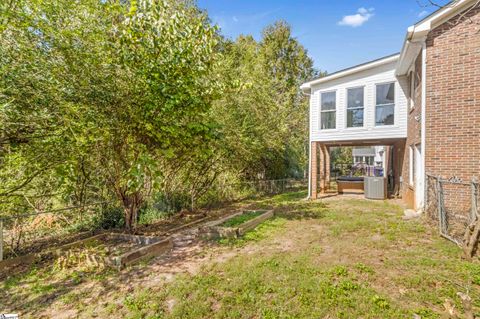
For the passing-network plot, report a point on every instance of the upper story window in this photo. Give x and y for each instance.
(355, 105)
(385, 104)
(328, 105)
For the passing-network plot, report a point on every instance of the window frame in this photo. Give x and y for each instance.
(355, 108)
(369, 159)
(327, 111)
(376, 105)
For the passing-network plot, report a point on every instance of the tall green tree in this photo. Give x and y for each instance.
(111, 87)
(119, 100)
(264, 116)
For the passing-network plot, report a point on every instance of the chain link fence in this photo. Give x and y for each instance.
(22, 234)
(453, 205)
(270, 187)
(31, 232)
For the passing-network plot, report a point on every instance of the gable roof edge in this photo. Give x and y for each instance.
(417, 33)
(352, 70)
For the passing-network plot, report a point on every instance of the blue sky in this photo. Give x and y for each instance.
(336, 33)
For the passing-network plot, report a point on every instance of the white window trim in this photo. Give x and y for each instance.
(326, 111)
(394, 103)
(355, 108)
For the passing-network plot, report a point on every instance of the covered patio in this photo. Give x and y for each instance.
(320, 177)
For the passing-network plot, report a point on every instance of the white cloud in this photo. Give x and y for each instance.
(356, 20)
(423, 14)
(235, 19)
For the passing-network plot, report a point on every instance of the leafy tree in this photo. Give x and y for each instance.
(118, 86)
(263, 117)
(122, 100)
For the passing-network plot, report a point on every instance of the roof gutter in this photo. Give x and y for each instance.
(411, 47)
(417, 34)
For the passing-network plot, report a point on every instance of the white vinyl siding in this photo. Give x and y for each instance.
(367, 79)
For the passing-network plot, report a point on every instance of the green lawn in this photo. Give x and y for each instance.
(344, 258)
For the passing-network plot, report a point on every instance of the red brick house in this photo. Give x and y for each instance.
(424, 104)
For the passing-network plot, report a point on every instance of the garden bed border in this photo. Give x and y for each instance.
(214, 229)
(151, 247)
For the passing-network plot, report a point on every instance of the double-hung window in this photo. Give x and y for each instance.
(328, 105)
(385, 104)
(355, 104)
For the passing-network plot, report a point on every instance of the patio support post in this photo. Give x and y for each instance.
(327, 167)
(313, 170)
(399, 150)
(322, 168)
(387, 167)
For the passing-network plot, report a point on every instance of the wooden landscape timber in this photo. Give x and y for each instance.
(215, 229)
(150, 247)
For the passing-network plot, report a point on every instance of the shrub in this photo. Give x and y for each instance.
(110, 217)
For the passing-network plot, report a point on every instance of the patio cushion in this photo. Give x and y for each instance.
(350, 179)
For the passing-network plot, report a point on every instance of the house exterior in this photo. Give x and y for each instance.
(423, 104)
(371, 155)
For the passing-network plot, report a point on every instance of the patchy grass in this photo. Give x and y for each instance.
(267, 229)
(345, 258)
(240, 219)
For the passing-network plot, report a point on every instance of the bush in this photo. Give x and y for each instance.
(149, 215)
(172, 203)
(110, 217)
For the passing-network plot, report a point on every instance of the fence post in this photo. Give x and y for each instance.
(427, 196)
(474, 211)
(440, 205)
(1, 239)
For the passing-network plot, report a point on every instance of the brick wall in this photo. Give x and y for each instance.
(453, 98)
(453, 103)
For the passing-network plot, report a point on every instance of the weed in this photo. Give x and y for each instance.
(380, 302)
(364, 268)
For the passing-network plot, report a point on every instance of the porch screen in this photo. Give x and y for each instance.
(385, 108)
(328, 110)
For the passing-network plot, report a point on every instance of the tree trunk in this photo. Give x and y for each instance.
(471, 239)
(131, 206)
